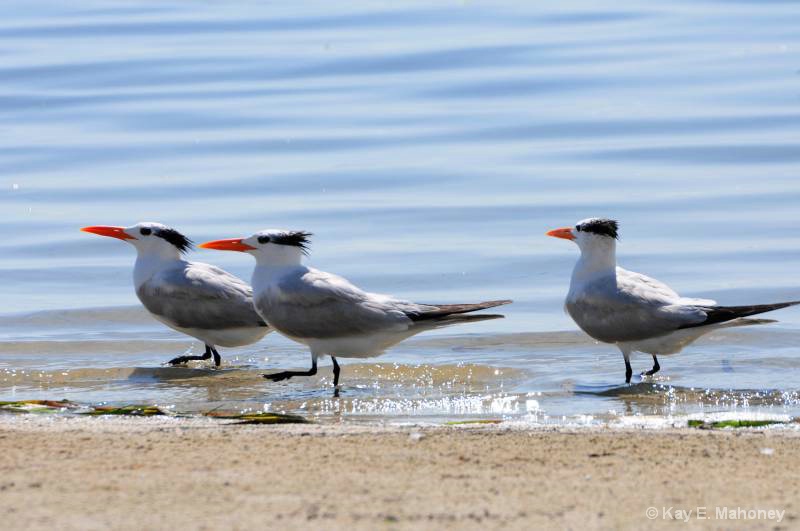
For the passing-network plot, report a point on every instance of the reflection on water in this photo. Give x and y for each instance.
(427, 147)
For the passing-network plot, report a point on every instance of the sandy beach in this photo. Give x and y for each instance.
(114, 473)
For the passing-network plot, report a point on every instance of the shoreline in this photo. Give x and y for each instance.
(85, 473)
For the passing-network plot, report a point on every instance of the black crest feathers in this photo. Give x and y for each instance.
(600, 226)
(296, 238)
(181, 242)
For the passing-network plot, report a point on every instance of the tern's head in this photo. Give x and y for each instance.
(590, 234)
(270, 247)
(148, 238)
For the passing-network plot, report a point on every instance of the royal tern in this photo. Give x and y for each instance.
(200, 300)
(326, 312)
(630, 310)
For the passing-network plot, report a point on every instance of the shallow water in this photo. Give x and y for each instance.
(428, 146)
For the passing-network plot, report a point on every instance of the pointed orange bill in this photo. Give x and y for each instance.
(231, 244)
(112, 232)
(564, 232)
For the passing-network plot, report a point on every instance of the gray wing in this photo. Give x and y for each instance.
(199, 295)
(656, 288)
(630, 307)
(646, 286)
(315, 304)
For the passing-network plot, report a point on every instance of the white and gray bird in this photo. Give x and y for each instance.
(633, 311)
(326, 312)
(197, 299)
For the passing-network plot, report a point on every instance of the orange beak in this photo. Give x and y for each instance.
(231, 244)
(112, 232)
(565, 233)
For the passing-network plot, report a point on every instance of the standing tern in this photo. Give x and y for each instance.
(197, 299)
(635, 312)
(326, 312)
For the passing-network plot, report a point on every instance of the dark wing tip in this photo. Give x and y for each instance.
(445, 310)
(501, 302)
(723, 314)
(469, 318)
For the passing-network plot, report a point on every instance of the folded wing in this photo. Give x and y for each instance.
(199, 295)
(630, 307)
(316, 304)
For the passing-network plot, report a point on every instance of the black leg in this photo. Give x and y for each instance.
(626, 354)
(656, 367)
(184, 359)
(336, 371)
(217, 357)
(285, 375)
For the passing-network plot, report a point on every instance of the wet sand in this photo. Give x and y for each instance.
(167, 473)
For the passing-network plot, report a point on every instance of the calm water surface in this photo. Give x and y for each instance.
(428, 146)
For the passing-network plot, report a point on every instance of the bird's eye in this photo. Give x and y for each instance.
(263, 239)
(145, 231)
